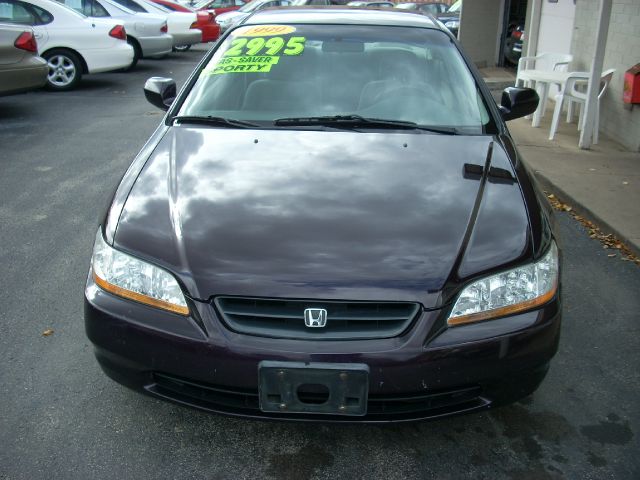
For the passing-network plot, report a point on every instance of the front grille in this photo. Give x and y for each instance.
(380, 408)
(280, 318)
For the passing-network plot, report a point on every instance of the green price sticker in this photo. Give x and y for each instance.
(262, 63)
(266, 46)
(256, 54)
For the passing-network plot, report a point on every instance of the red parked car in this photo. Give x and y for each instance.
(205, 21)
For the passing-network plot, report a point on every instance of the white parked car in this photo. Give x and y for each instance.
(147, 33)
(71, 43)
(182, 25)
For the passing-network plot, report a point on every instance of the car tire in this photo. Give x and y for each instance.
(181, 48)
(137, 53)
(65, 69)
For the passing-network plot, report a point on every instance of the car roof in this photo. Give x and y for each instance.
(340, 16)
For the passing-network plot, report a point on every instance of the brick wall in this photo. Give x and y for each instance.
(622, 52)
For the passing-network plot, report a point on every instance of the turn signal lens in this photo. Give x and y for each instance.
(118, 32)
(26, 41)
(509, 292)
(128, 277)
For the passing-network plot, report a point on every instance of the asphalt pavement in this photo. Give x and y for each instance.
(61, 154)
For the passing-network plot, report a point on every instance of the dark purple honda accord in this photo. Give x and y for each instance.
(331, 223)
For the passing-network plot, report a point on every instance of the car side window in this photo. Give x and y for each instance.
(432, 9)
(43, 17)
(16, 12)
(95, 9)
(239, 3)
(131, 5)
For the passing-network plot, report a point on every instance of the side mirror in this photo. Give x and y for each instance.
(160, 92)
(518, 102)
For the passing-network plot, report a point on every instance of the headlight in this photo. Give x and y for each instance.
(508, 292)
(128, 277)
(452, 24)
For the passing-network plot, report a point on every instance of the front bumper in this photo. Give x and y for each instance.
(198, 362)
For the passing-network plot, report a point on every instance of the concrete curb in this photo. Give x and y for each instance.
(584, 211)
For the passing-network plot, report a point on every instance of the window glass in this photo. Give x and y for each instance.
(96, 9)
(396, 73)
(44, 16)
(432, 9)
(131, 5)
(16, 12)
(90, 8)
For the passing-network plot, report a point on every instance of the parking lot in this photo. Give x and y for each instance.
(61, 417)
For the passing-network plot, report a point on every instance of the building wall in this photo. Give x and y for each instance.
(479, 22)
(556, 26)
(622, 52)
(556, 31)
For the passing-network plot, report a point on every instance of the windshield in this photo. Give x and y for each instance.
(455, 7)
(268, 72)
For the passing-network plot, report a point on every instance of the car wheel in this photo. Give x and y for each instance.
(181, 48)
(137, 53)
(65, 69)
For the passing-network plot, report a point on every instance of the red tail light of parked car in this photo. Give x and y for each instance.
(26, 41)
(164, 28)
(118, 32)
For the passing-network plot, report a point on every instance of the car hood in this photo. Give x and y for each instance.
(321, 214)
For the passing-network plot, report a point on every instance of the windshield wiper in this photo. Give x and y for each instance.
(217, 121)
(357, 121)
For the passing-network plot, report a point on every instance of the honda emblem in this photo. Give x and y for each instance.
(315, 317)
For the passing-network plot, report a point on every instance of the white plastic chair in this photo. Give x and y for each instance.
(552, 61)
(543, 61)
(571, 94)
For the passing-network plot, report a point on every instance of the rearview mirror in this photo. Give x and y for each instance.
(518, 102)
(160, 92)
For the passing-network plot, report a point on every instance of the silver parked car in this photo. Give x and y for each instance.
(146, 32)
(20, 67)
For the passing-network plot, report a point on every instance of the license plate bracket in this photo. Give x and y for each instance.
(284, 387)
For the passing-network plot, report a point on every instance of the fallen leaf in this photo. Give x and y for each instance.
(607, 241)
(47, 332)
